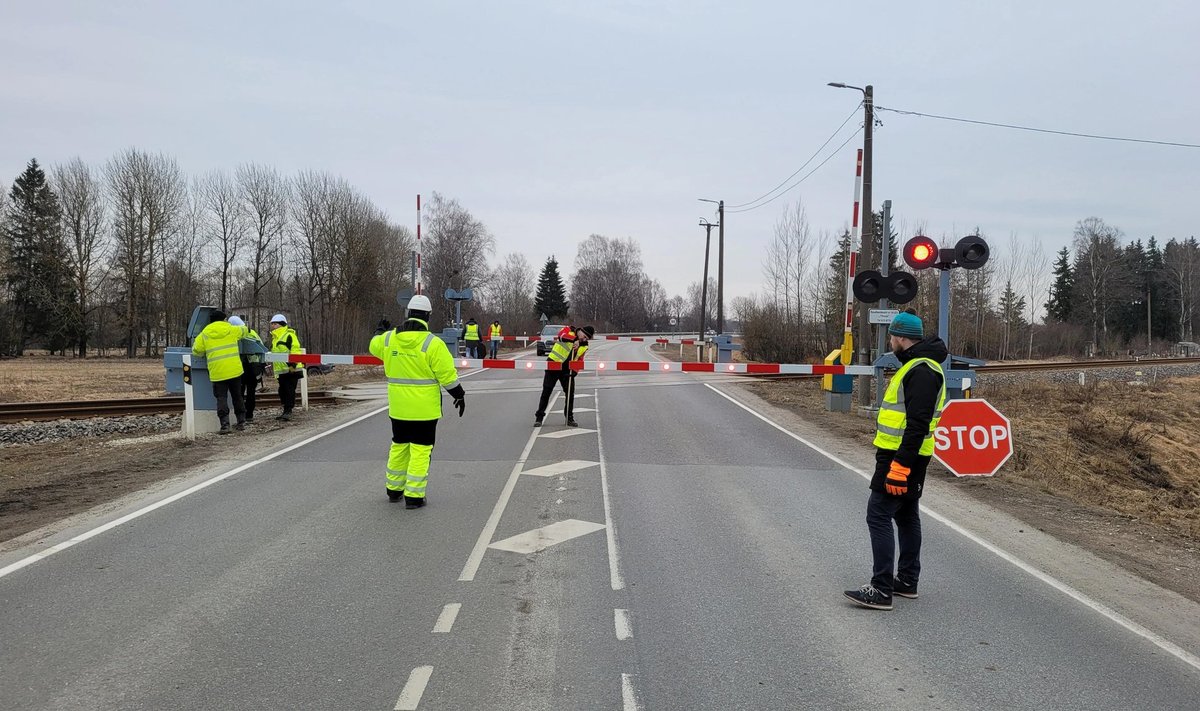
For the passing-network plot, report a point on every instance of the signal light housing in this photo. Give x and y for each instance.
(898, 287)
(971, 252)
(920, 252)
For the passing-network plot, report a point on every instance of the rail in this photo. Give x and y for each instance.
(83, 409)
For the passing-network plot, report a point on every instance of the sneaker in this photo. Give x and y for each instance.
(868, 596)
(394, 496)
(903, 589)
(413, 502)
(240, 427)
(249, 420)
(572, 423)
(286, 417)
(537, 422)
(224, 428)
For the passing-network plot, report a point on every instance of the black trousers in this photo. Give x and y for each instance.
(549, 380)
(882, 509)
(233, 389)
(249, 387)
(287, 388)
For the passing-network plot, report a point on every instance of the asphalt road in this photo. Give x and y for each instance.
(674, 552)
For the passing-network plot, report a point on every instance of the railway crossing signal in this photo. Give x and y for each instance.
(898, 287)
(921, 252)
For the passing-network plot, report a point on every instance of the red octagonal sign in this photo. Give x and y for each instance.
(972, 438)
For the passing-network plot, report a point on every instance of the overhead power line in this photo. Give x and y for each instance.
(802, 167)
(805, 177)
(1039, 130)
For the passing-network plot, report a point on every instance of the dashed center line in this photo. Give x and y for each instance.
(629, 700)
(623, 624)
(445, 621)
(410, 697)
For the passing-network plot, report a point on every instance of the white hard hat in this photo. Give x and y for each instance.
(278, 318)
(420, 302)
(236, 321)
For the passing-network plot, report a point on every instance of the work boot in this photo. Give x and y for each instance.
(393, 495)
(571, 422)
(286, 416)
(537, 422)
(867, 596)
(903, 589)
(240, 427)
(413, 502)
(224, 428)
(249, 419)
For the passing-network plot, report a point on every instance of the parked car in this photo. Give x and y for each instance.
(546, 340)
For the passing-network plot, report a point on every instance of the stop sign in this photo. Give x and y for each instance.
(972, 438)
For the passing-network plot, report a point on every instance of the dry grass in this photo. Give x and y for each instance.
(1134, 449)
(43, 378)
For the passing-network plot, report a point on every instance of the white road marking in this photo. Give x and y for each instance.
(1155, 639)
(489, 529)
(570, 432)
(563, 467)
(629, 700)
(539, 539)
(410, 697)
(614, 552)
(584, 409)
(623, 624)
(445, 621)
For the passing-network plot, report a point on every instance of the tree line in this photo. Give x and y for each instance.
(1106, 294)
(107, 258)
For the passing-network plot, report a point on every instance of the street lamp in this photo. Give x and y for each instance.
(704, 284)
(720, 265)
(867, 249)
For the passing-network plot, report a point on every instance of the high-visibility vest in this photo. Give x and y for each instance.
(472, 332)
(892, 419)
(253, 358)
(418, 365)
(494, 332)
(218, 345)
(561, 350)
(284, 340)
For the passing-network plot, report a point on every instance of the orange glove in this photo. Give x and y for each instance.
(897, 479)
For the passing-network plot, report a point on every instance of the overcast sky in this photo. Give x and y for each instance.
(554, 120)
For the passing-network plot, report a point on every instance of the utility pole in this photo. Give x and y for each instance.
(721, 267)
(869, 258)
(704, 284)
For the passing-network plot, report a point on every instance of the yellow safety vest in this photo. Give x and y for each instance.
(561, 351)
(494, 332)
(281, 343)
(892, 419)
(472, 332)
(418, 365)
(218, 345)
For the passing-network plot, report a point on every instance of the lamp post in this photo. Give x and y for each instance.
(720, 263)
(704, 284)
(867, 249)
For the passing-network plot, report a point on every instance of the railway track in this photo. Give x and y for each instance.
(83, 409)
(1044, 366)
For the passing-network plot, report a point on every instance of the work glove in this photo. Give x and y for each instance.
(461, 404)
(383, 326)
(897, 479)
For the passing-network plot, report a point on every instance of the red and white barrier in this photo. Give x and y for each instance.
(597, 366)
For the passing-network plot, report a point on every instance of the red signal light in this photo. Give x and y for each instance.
(920, 252)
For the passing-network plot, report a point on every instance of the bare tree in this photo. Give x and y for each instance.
(228, 223)
(265, 196)
(81, 198)
(457, 247)
(515, 281)
(1100, 275)
(146, 193)
(1036, 272)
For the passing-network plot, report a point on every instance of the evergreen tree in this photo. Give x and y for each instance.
(37, 275)
(551, 298)
(1161, 323)
(834, 293)
(1059, 305)
(1012, 315)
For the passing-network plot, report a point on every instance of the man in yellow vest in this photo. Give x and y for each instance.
(569, 347)
(285, 340)
(218, 345)
(494, 335)
(908, 416)
(473, 340)
(252, 368)
(418, 365)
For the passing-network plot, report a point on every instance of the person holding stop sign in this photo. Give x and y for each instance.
(904, 444)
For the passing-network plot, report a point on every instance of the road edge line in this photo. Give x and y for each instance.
(615, 579)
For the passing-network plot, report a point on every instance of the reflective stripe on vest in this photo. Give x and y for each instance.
(893, 419)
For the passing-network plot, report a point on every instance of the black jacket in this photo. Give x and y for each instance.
(922, 387)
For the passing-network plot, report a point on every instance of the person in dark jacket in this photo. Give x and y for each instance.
(904, 442)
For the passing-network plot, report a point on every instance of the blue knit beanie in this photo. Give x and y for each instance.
(907, 325)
